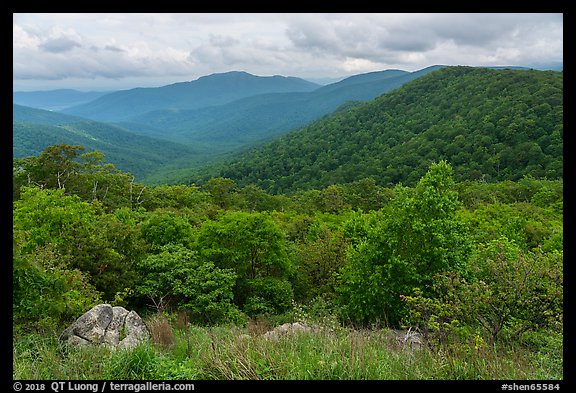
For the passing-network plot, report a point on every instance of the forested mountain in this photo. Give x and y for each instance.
(213, 132)
(35, 129)
(214, 89)
(55, 100)
(491, 124)
(265, 116)
(22, 113)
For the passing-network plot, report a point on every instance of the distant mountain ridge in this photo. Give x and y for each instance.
(362, 78)
(55, 100)
(22, 113)
(180, 140)
(265, 116)
(210, 90)
(209, 133)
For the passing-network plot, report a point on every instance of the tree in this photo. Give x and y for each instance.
(85, 175)
(250, 244)
(47, 281)
(364, 194)
(164, 227)
(266, 295)
(81, 234)
(50, 217)
(410, 240)
(102, 181)
(56, 166)
(175, 196)
(220, 189)
(176, 277)
(319, 259)
(252, 198)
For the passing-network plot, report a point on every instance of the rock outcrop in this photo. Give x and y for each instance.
(114, 327)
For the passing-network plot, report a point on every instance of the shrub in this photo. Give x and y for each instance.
(178, 277)
(267, 295)
(401, 247)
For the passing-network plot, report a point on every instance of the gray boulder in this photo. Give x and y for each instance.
(116, 326)
(113, 327)
(136, 331)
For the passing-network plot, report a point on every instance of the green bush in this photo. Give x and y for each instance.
(175, 277)
(164, 227)
(509, 290)
(267, 295)
(46, 293)
(402, 247)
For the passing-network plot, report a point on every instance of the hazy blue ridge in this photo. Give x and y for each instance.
(55, 100)
(210, 90)
(265, 116)
(27, 114)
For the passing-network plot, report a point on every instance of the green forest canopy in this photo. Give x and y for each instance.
(491, 125)
(85, 233)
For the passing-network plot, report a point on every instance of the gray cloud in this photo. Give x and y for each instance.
(187, 46)
(223, 41)
(381, 36)
(114, 48)
(487, 29)
(59, 45)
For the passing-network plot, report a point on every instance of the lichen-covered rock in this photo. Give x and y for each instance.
(112, 335)
(136, 331)
(92, 325)
(114, 327)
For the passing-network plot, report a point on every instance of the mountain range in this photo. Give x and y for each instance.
(233, 110)
(55, 100)
(210, 90)
(168, 133)
(265, 116)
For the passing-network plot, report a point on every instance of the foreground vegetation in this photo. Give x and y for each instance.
(234, 353)
(476, 268)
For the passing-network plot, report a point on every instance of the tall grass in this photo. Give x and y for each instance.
(233, 353)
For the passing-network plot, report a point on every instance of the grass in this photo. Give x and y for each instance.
(234, 353)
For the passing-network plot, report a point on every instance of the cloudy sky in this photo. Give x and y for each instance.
(89, 51)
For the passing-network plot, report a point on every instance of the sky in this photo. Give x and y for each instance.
(116, 51)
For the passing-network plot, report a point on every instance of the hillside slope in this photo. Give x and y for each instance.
(489, 124)
(35, 129)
